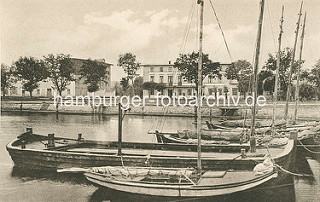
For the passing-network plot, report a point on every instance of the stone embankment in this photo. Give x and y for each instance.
(306, 111)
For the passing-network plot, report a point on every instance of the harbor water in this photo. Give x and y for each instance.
(29, 185)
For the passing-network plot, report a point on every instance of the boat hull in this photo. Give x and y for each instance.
(178, 190)
(58, 158)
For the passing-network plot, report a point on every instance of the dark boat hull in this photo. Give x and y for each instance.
(62, 158)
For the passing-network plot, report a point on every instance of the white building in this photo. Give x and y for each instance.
(170, 77)
(75, 88)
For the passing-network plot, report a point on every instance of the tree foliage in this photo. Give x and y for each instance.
(270, 66)
(94, 73)
(265, 81)
(60, 68)
(307, 91)
(129, 64)
(6, 78)
(315, 74)
(240, 70)
(31, 71)
(150, 85)
(124, 82)
(138, 86)
(187, 64)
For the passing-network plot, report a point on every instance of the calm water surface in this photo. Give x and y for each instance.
(27, 185)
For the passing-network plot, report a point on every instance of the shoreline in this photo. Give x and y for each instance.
(307, 112)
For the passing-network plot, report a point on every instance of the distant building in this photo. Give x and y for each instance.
(75, 88)
(170, 77)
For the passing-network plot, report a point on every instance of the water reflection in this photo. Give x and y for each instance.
(283, 193)
(26, 174)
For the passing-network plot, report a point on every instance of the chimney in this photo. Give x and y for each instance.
(169, 62)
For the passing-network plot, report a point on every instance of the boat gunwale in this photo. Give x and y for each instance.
(178, 186)
(289, 147)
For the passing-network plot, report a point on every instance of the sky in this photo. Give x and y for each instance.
(153, 30)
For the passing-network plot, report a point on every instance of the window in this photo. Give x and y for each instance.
(152, 92)
(234, 91)
(211, 91)
(226, 90)
(170, 69)
(220, 91)
(189, 91)
(161, 79)
(152, 78)
(13, 91)
(151, 69)
(179, 80)
(68, 91)
(161, 69)
(170, 80)
(38, 91)
(210, 78)
(179, 92)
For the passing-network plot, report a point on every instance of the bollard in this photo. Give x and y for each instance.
(30, 130)
(51, 140)
(243, 153)
(293, 135)
(79, 136)
(23, 144)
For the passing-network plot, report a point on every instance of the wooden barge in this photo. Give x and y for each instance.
(34, 151)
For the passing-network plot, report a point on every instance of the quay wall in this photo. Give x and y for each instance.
(305, 111)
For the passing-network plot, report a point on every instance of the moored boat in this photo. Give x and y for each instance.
(212, 183)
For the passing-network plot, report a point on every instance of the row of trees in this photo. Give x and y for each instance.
(241, 70)
(58, 68)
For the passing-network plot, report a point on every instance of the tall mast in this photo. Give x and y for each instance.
(255, 80)
(299, 69)
(276, 80)
(200, 2)
(291, 67)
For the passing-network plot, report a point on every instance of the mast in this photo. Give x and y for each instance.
(276, 80)
(299, 69)
(120, 118)
(255, 80)
(291, 67)
(200, 2)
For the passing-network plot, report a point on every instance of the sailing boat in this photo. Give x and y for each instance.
(191, 183)
(232, 131)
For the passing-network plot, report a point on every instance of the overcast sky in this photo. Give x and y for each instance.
(151, 29)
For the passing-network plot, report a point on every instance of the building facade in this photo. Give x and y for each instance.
(75, 88)
(174, 83)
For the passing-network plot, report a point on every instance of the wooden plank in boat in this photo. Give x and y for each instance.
(214, 174)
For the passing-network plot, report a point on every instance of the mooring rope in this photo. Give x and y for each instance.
(284, 170)
(292, 173)
(314, 152)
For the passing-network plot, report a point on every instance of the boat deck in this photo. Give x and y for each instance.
(185, 154)
(226, 177)
(149, 152)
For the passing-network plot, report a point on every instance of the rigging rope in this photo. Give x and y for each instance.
(224, 38)
(274, 42)
(314, 152)
(183, 38)
(188, 30)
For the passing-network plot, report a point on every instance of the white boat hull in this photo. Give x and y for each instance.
(175, 190)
